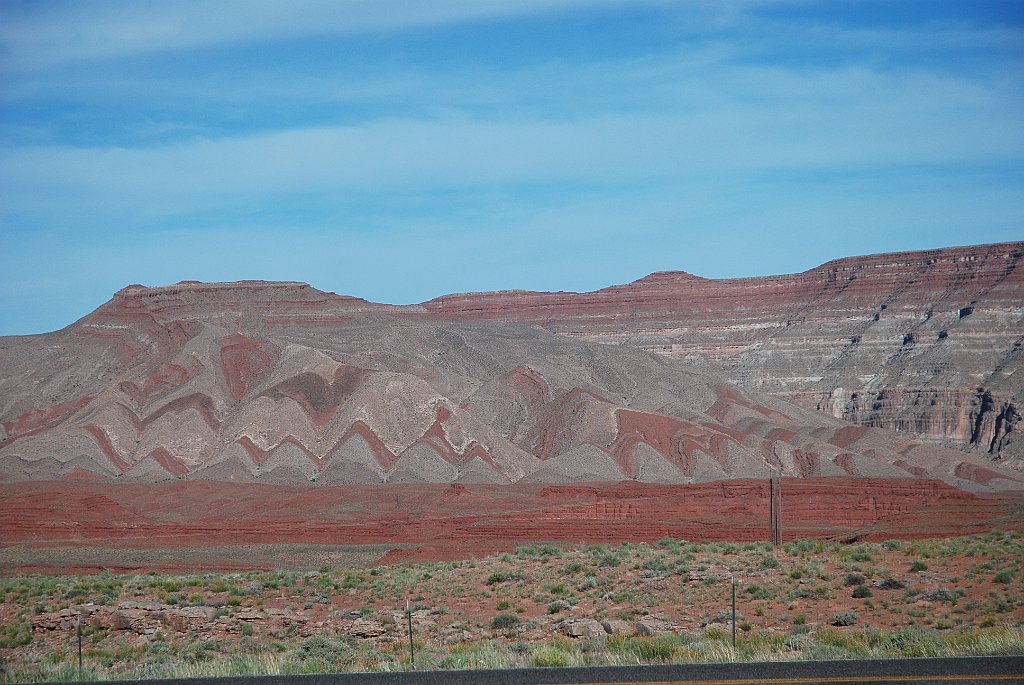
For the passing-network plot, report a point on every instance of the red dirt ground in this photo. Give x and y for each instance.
(452, 521)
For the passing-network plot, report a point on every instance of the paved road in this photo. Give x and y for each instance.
(958, 671)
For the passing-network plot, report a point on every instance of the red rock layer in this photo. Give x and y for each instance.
(924, 342)
(447, 521)
(280, 382)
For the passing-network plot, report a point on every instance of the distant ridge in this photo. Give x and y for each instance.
(280, 382)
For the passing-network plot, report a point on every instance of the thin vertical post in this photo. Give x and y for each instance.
(771, 508)
(412, 649)
(733, 583)
(79, 631)
(778, 507)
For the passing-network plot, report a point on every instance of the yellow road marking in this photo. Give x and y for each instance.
(834, 679)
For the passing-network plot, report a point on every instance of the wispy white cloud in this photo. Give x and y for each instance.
(761, 120)
(713, 125)
(57, 33)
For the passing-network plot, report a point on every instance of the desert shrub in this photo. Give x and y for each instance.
(505, 622)
(655, 649)
(940, 594)
(16, 634)
(320, 648)
(1004, 577)
(862, 591)
(918, 565)
(571, 568)
(715, 633)
(768, 561)
(891, 584)
(845, 618)
(496, 578)
(670, 544)
(759, 592)
(804, 546)
(198, 651)
(913, 642)
(801, 592)
(854, 579)
(841, 644)
(658, 564)
(560, 605)
(75, 592)
(549, 656)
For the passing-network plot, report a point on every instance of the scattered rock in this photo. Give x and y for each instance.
(113, 621)
(583, 627)
(201, 612)
(250, 616)
(723, 617)
(653, 626)
(146, 606)
(175, 621)
(362, 627)
(616, 626)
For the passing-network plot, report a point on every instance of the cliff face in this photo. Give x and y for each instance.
(926, 343)
(449, 521)
(282, 383)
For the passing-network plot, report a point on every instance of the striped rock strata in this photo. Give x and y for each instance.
(282, 383)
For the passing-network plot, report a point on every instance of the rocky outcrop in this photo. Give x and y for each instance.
(282, 383)
(923, 342)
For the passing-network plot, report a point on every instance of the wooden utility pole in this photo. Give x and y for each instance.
(775, 510)
(778, 516)
(733, 583)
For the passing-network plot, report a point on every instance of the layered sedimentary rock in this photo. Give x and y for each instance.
(281, 383)
(78, 519)
(928, 343)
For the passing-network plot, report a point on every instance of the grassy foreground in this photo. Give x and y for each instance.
(541, 606)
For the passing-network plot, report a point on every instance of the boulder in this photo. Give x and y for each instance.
(616, 626)
(653, 626)
(583, 628)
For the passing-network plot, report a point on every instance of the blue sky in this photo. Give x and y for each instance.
(398, 150)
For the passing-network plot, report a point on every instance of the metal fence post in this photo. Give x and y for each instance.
(412, 649)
